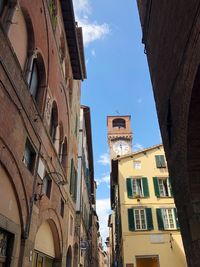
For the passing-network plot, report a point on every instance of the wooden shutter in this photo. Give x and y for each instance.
(145, 187)
(162, 161)
(176, 218)
(156, 186)
(158, 163)
(129, 187)
(131, 222)
(160, 219)
(149, 219)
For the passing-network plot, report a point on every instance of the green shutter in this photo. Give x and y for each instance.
(131, 222)
(160, 219)
(156, 186)
(145, 187)
(170, 185)
(149, 219)
(176, 218)
(129, 187)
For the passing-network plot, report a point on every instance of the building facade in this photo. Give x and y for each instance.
(172, 45)
(147, 230)
(41, 69)
(85, 190)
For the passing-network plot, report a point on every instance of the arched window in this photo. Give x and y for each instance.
(34, 79)
(119, 123)
(53, 121)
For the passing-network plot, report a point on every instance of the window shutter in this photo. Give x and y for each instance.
(145, 187)
(156, 187)
(162, 160)
(129, 187)
(171, 192)
(131, 222)
(176, 218)
(158, 162)
(160, 219)
(149, 219)
(71, 176)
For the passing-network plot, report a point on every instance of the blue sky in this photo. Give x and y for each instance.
(117, 83)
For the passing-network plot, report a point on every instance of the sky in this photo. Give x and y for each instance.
(118, 83)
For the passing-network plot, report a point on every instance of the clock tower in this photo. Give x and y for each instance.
(119, 135)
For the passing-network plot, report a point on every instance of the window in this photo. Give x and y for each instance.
(2, 5)
(167, 219)
(119, 123)
(34, 79)
(29, 156)
(47, 182)
(162, 187)
(6, 247)
(53, 121)
(160, 161)
(62, 206)
(137, 164)
(137, 187)
(140, 219)
(41, 260)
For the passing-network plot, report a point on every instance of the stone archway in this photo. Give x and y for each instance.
(69, 257)
(45, 248)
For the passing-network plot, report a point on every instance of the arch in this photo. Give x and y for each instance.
(69, 257)
(119, 123)
(21, 35)
(193, 138)
(53, 121)
(46, 246)
(52, 218)
(16, 180)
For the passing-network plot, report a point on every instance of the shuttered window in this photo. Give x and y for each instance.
(137, 187)
(140, 219)
(162, 187)
(160, 161)
(167, 219)
(73, 181)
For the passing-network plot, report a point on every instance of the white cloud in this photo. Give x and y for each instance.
(93, 53)
(137, 147)
(104, 159)
(92, 31)
(139, 100)
(104, 179)
(103, 211)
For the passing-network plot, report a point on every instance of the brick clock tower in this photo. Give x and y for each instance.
(119, 135)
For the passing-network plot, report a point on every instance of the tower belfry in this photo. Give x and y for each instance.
(119, 135)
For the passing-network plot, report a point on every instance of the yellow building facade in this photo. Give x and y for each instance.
(148, 229)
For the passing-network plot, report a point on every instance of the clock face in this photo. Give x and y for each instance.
(121, 147)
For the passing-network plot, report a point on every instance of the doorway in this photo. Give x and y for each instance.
(147, 261)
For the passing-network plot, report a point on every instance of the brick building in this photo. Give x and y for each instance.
(41, 69)
(172, 44)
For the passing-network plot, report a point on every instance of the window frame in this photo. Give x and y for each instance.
(137, 164)
(138, 191)
(165, 191)
(46, 187)
(140, 219)
(166, 218)
(160, 161)
(29, 156)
